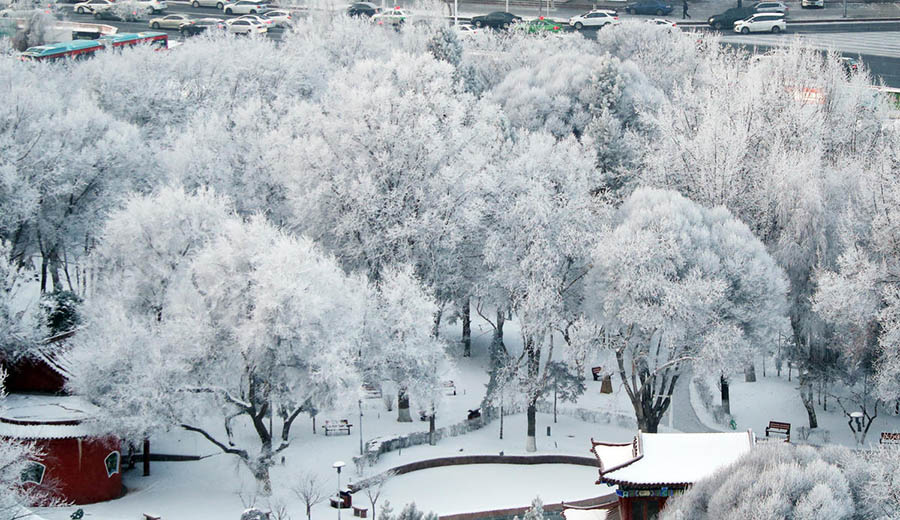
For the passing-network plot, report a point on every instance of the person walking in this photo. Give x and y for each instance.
(684, 10)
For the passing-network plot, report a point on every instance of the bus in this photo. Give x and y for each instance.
(160, 40)
(77, 49)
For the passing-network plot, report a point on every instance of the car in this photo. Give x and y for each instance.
(726, 20)
(850, 65)
(201, 26)
(761, 22)
(395, 17)
(663, 22)
(117, 13)
(92, 5)
(171, 21)
(820, 4)
(595, 18)
(363, 9)
(244, 7)
(770, 7)
(466, 31)
(152, 6)
(539, 25)
(218, 4)
(497, 20)
(278, 17)
(657, 7)
(239, 26)
(258, 19)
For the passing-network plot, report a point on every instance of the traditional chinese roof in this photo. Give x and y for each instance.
(669, 459)
(29, 416)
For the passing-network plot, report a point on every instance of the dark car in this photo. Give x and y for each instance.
(201, 26)
(726, 20)
(497, 19)
(117, 15)
(363, 9)
(649, 7)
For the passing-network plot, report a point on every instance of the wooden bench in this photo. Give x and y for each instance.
(597, 372)
(779, 427)
(889, 438)
(336, 427)
(449, 387)
(361, 512)
(371, 392)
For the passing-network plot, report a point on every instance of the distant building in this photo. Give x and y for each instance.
(655, 466)
(82, 464)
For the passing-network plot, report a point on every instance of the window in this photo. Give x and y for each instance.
(112, 463)
(34, 472)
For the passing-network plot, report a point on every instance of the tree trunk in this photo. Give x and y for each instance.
(648, 424)
(403, 407)
(726, 401)
(431, 428)
(531, 440)
(467, 328)
(437, 322)
(554, 405)
(146, 457)
(43, 274)
(806, 395)
(54, 271)
(263, 482)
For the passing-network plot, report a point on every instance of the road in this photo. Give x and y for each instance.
(876, 43)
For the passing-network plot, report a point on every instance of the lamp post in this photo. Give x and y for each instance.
(338, 465)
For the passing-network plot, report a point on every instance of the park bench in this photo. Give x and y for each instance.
(371, 391)
(336, 427)
(151, 516)
(474, 414)
(361, 512)
(449, 387)
(597, 372)
(890, 438)
(779, 427)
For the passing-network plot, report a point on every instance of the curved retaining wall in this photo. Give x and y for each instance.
(480, 459)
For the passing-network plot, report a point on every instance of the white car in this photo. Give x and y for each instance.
(278, 17)
(238, 26)
(172, 21)
(395, 16)
(467, 31)
(771, 7)
(218, 4)
(91, 6)
(595, 18)
(812, 3)
(663, 21)
(761, 22)
(244, 7)
(152, 6)
(256, 18)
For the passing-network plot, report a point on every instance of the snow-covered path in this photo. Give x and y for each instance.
(685, 418)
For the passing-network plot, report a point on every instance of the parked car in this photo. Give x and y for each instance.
(726, 20)
(117, 14)
(363, 9)
(238, 26)
(92, 5)
(395, 17)
(595, 18)
(850, 65)
(218, 4)
(466, 31)
(497, 20)
(761, 22)
(278, 17)
(201, 26)
(171, 21)
(657, 7)
(770, 7)
(820, 4)
(540, 25)
(244, 7)
(152, 6)
(662, 21)
(258, 19)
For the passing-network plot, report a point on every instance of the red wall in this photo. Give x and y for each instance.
(629, 511)
(81, 478)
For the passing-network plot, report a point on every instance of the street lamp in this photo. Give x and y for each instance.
(338, 465)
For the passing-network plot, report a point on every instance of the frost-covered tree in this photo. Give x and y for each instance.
(539, 228)
(310, 489)
(675, 284)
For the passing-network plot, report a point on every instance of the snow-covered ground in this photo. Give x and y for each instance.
(774, 398)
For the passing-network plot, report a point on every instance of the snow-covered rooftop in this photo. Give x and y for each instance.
(671, 458)
(28, 416)
(585, 514)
